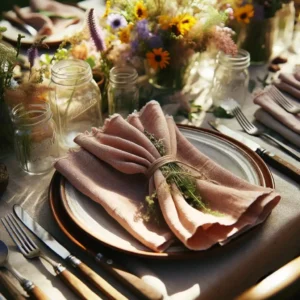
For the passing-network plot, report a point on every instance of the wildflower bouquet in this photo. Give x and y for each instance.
(253, 20)
(164, 36)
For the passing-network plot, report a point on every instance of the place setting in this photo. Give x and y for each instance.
(136, 141)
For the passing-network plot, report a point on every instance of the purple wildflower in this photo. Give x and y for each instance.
(134, 46)
(142, 29)
(116, 21)
(96, 32)
(155, 41)
(32, 55)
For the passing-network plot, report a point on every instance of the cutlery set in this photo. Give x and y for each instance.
(31, 251)
(269, 157)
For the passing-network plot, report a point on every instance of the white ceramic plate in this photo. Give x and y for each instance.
(11, 34)
(93, 219)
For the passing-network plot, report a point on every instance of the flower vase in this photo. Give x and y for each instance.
(258, 39)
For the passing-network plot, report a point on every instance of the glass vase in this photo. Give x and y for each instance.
(35, 137)
(75, 100)
(258, 39)
(123, 92)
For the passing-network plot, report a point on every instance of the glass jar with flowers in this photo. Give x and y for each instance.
(256, 26)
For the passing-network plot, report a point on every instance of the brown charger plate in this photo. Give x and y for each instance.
(81, 236)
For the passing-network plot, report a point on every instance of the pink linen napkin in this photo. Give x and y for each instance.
(110, 169)
(270, 122)
(290, 83)
(264, 100)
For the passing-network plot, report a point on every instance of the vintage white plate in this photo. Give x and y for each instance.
(93, 219)
(12, 32)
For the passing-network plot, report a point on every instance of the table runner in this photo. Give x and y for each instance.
(218, 273)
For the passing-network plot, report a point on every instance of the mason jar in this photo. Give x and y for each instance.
(35, 137)
(231, 78)
(123, 92)
(75, 100)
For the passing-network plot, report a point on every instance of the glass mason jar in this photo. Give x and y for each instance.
(231, 78)
(75, 100)
(35, 138)
(123, 92)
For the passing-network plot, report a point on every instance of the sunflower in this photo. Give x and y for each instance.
(187, 22)
(181, 24)
(124, 34)
(164, 22)
(158, 58)
(140, 11)
(244, 13)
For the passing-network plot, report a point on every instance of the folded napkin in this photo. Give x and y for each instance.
(265, 100)
(270, 122)
(117, 167)
(290, 83)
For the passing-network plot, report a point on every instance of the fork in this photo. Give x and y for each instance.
(30, 250)
(283, 102)
(253, 130)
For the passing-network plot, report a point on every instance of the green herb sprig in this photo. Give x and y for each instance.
(182, 178)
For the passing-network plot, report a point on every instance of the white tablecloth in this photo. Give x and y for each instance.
(220, 273)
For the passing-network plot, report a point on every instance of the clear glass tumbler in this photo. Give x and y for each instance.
(35, 137)
(75, 100)
(231, 78)
(123, 92)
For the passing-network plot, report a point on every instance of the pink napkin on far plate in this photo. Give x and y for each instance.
(290, 83)
(111, 165)
(265, 101)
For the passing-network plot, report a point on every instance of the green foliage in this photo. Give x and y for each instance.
(184, 180)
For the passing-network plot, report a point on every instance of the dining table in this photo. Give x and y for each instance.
(221, 272)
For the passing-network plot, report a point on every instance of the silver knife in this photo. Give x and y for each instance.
(56, 247)
(272, 159)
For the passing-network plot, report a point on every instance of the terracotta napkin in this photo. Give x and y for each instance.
(111, 166)
(290, 83)
(265, 100)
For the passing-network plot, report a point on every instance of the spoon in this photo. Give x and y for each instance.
(27, 285)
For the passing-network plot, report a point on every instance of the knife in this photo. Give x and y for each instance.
(137, 285)
(269, 157)
(56, 247)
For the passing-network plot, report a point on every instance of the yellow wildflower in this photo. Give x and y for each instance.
(124, 34)
(107, 9)
(244, 13)
(140, 11)
(181, 24)
(158, 58)
(164, 22)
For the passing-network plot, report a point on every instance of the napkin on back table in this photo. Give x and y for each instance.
(290, 83)
(110, 169)
(275, 117)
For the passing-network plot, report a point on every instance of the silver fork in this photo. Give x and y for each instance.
(253, 130)
(30, 250)
(283, 102)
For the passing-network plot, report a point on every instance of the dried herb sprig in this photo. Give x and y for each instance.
(182, 178)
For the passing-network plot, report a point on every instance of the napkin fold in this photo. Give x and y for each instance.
(290, 83)
(272, 123)
(111, 169)
(265, 101)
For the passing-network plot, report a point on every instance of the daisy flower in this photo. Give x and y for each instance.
(116, 21)
(158, 58)
(244, 13)
(140, 11)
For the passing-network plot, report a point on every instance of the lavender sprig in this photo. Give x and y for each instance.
(32, 55)
(96, 32)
